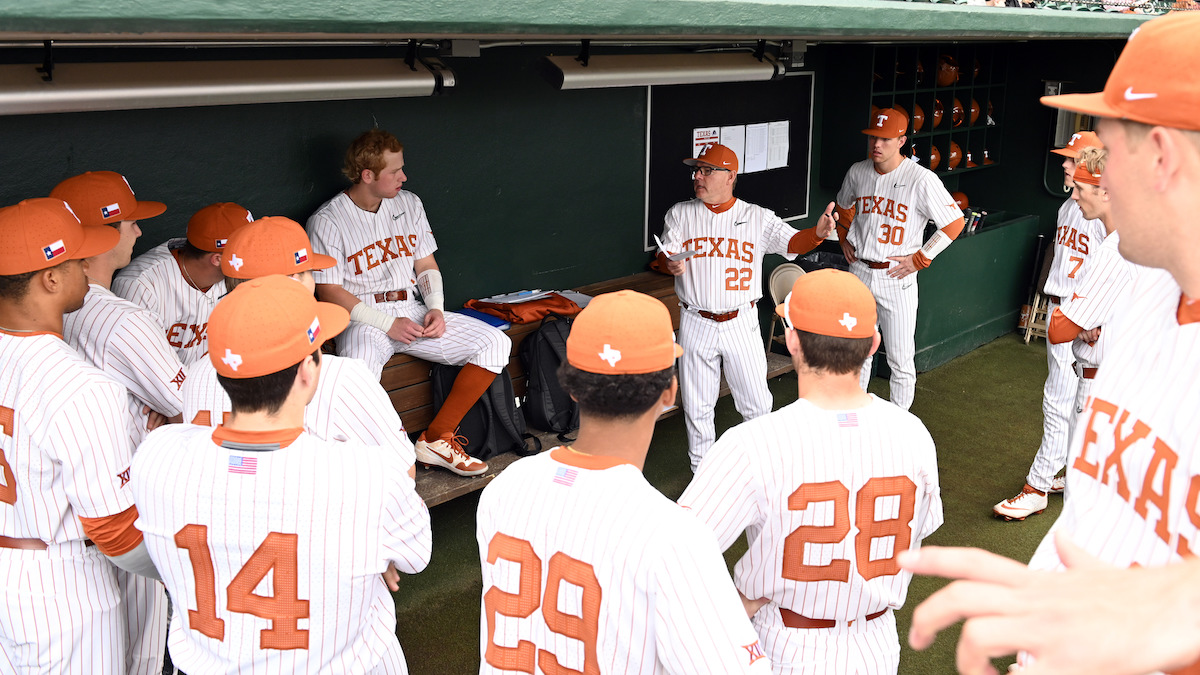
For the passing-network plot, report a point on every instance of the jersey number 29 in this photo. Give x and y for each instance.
(864, 517)
(523, 603)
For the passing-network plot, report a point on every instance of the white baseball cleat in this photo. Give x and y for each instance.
(1029, 502)
(447, 452)
(1058, 485)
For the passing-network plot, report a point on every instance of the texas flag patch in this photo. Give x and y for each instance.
(302, 256)
(110, 210)
(314, 330)
(221, 243)
(54, 250)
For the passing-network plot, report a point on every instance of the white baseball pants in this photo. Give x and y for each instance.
(896, 305)
(863, 648)
(1058, 416)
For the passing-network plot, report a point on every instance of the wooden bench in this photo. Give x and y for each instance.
(406, 379)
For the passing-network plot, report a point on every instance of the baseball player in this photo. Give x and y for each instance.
(1133, 469)
(1076, 238)
(224, 508)
(349, 404)
(718, 288)
(125, 341)
(180, 280)
(586, 567)
(381, 238)
(66, 508)
(883, 206)
(828, 490)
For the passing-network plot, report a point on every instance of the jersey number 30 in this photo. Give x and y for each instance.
(864, 517)
(283, 609)
(528, 597)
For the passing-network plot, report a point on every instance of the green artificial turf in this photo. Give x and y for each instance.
(983, 411)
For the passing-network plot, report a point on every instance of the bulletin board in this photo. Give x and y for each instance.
(677, 111)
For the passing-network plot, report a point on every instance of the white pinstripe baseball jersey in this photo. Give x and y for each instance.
(126, 342)
(375, 251)
(1134, 464)
(321, 521)
(726, 273)
(891, 209)
(154, 281)
(64, 454)
(1099, 295)
(1075, 239)
(349, 405)
(868, 475)
(626, 581)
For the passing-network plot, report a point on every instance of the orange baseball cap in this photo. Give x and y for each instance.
(210, 228)
(623, 333)
(1142, 86)
(716, 155)
(268, 324)
(1082, 175)
(887, 123)
(271, 245)
(1079, 141)
(38, 234)
(830, 302)
(104, 198)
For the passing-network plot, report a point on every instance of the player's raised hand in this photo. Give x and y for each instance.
(435, 324)
(1091, 618)
(405, 330)
(904, 266)
(827, 221)
(675, 267)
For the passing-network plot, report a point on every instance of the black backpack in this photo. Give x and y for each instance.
(492, 426)
(547, 407)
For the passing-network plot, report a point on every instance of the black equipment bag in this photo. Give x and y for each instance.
(493, 426)
(547, 407)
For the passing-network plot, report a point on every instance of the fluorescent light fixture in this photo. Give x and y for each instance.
(632, 70)
(79, 87)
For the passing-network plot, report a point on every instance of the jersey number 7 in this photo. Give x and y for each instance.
(528, 598)
(283, 609)
(864, 517)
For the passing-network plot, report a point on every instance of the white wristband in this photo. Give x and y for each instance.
(936, 244)
(372, 317)
(430, 283)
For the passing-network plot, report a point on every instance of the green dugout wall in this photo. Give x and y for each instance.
(527, 186)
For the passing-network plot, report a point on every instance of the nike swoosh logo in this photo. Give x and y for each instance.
(740, 222)
(1131, 96)
(898, 185)
(397, 216)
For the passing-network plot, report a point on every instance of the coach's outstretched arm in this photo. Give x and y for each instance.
(1091, 619)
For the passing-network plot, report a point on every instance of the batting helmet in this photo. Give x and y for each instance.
(935, 157)
(938, 113)
(947, 71)
(918, 117)
(974, 111)
(957, 113)
(955, 157)
(960, 199)
(987, 157)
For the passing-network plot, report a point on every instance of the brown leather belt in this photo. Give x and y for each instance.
(875, 265)
(1055, 299)
(794, 620)
(391, 296)
(719, 318)
(1088, 373)
(31, 544)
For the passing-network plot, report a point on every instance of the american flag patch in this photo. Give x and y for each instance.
(847, 419)
(243, 465)
(314, 330)
(301, 256)
(111, 210)
(565, 476)
(54, 250)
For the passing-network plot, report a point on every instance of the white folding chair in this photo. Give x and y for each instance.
(780, 284)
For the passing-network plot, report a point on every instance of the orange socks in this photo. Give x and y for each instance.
(470, 384)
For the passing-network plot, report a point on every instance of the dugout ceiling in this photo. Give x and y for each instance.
(545, 19)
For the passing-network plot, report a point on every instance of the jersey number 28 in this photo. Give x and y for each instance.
(864, 518)
(283, 609)
(528, 598)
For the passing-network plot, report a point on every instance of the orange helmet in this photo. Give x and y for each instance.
(970, 163)
(974, 111)
(920, 72)
(960, 199)
(957, 113)
(987, 157)
(935, 157)
(918, 117)
(897, 106)
(955, 157)
(938, 112)
(947, 71)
